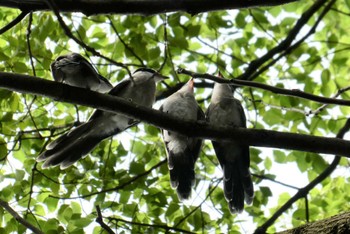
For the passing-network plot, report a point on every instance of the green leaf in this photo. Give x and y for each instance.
(51, 203)
(268, 163)
(347, 3)
(3, 149)
(20, 67)
(82, 222)
(119, 174)
(279, 156)
(6, 194)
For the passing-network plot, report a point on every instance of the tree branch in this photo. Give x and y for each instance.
(335, 224)
(211, 190)
(52, 4)
(304, 191)
(252, 84)
(145, 7)
(99, 220)
(21, 220)
(153, 226)
(118, 187)
(253, 137)
(13, 22)
(285, 44)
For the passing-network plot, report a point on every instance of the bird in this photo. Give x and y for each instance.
(73, 69)
(225, 110)
(75, 144)
(182, 151)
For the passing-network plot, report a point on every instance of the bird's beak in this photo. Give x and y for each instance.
(191, 83)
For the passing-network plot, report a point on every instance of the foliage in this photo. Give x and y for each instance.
(123, 175)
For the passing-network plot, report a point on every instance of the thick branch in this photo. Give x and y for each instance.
(253, 137)
(92, 7)
(336, 224)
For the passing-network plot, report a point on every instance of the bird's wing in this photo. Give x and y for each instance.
(105, 82)
(197, 143)
(70, 147)
(116, 91)
(233, 157)
(238, 185)
(182, 154)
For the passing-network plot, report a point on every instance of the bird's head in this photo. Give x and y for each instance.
(73, 58)
(148, 72)
(187, 88)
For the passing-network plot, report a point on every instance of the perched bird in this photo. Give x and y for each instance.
(73, 145)
(73, 69)
(225, 110)
(182, 151)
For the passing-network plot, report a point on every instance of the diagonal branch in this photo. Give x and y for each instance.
(285, 44)
(304, 191)
(13, 22)
(21, 220)
(289, 49)
(253, 137)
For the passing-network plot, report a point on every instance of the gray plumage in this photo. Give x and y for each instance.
(182, 151)
(225, 110)
(73, 145)
(73, 69)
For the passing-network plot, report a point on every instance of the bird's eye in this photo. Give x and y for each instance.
(76, 56)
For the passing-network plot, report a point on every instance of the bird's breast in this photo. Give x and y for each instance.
(183, 108)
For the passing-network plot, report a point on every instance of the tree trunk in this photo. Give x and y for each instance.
(338, 224)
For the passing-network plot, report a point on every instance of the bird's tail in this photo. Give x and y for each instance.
(182, 175)
(70, 147)
(238, 185)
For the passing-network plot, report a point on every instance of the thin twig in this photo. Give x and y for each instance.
(29, 31)
(124, 43)
(160, 226)
(116, 188)
(67, 31)
(221, 51)
(321, 108)
(273, 180)
(197, 207)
